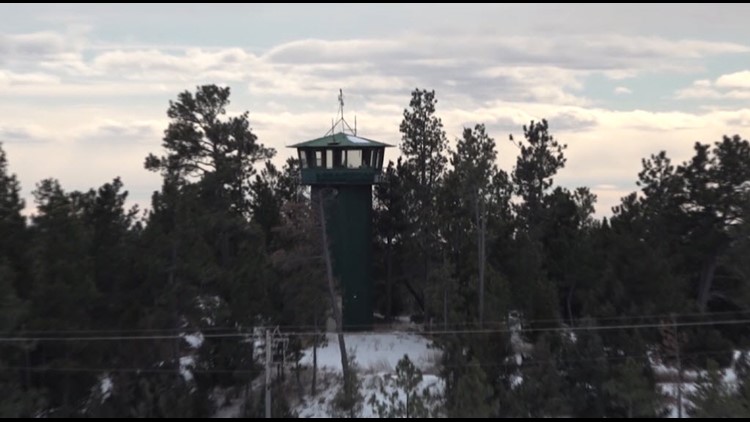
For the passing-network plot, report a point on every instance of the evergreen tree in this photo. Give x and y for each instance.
(16, 397)
(13, 242)
(713, 398)
(423, 146)
(587, 370)
(543, 390)
(473, 398)
(632, 392)
(200, 144)
(468, 199)
(472, 364)
(402, 396)
(301, 293)
(540, 159)
(208, 266)
(390, 225)
(63, 297)
(270, 190)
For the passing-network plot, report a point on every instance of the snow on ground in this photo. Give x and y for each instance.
(320, 406)
(376, 356)
(194, 340)
(186, 363)
(690, 384)
(105, 387)
(670, 390)
(661, 370)
(230, 411)
(375, 352)
(515, 381)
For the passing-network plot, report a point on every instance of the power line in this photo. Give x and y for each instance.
(303, 327)
(562, 359)
(528, 362)
(126, 370)
(248, 335)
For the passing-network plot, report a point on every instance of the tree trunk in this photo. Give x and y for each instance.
(445, 304)
(630, 408)
(425, 281)
(480, 255)
(315, 359)
(569, 302)
(417, 297)
(679, 366)
(175, 303)
(389, 282)
(27, 371)
(707, 278)
(349, 394)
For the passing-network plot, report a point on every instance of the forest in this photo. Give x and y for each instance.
(98, 300)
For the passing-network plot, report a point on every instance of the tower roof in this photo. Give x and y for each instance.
(340, 140)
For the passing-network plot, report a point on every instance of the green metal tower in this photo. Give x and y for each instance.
(342, 167)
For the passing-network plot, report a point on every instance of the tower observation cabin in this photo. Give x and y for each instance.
(341, 168)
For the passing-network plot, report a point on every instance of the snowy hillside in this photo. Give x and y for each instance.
(376, 356)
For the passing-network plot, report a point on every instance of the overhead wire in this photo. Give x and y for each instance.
(247, 334)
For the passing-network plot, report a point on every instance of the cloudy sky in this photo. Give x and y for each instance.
(84, 88)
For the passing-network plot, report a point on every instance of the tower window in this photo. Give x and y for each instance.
(354, 158)
(366, 160)
(318, 158)
(337, 158)
(329, 158)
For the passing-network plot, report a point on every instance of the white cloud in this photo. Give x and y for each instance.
(108, 132)
(735, 80)
(603, 52)
(735, 86)
(30, 45)
(336, 51)
(621, 90)
(228, 64)
(8, 78)
(20, 134)
(102, 103)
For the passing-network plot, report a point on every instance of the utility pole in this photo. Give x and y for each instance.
(679, 367)
(269, 350)
(671, 339)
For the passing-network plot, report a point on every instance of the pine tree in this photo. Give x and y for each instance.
(63, 297)
(632, 393)
(470, 183)
(713, 398)
(540, 159)
(200, 144)
(587, 370)
(390, 225)
(423, 146)
(270, 191)
(14, 401)
(402, 396)
(13, 242)
(543, 392)
(302, 297)
(474, 394)
(16, 397)
(208, 263)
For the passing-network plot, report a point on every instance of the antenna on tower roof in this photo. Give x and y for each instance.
(340, 117)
